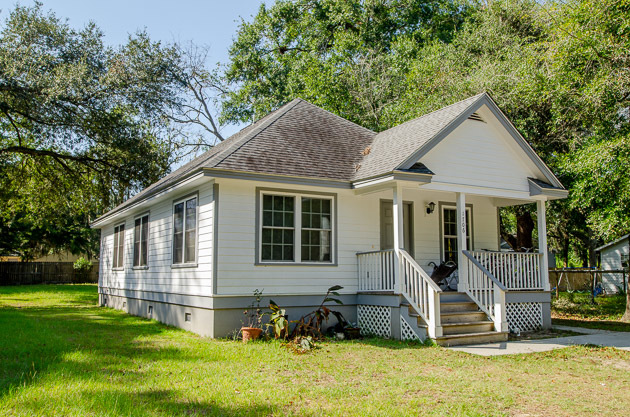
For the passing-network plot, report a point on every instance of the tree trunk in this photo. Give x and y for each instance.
(626, 316)
(524, 230)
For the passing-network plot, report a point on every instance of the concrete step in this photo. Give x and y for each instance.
(457, 306)
(469, 327)
(463, 316)
(471, 338)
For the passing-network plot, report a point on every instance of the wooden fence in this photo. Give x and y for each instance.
(575, 279)
(27, 273)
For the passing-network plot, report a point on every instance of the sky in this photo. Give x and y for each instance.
(211, 23)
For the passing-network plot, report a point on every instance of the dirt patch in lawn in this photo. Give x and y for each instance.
(543, 334)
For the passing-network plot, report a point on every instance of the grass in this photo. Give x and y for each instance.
(576, 309)
(61, 355)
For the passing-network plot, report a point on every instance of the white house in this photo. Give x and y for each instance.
(302, 200)
(613, 256)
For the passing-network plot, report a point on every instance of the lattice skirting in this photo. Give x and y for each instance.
(524, 317)
(406, 331)
(375, 320)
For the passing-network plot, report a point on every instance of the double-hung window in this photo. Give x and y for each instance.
(449, 233)
(141, 241)
(295, 228)
(185, 231)
(119, 246)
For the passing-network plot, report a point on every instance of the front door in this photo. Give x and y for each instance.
(387, 225)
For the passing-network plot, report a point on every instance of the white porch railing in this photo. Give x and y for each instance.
(421, 292)
(377, 273)
(485, 290)
(377, 270)
(515, 270)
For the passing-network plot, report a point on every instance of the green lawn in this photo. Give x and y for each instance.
(62, 355)
(576, 309)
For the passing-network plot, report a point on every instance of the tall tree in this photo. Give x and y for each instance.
(80, 127)
(350, 57)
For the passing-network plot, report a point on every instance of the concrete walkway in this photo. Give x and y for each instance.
(619, 340)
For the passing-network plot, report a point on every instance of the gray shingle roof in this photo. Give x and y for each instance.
(298, 139)
(303, 140)
(393, 146)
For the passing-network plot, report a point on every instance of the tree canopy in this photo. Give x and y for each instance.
(559, 70)
(79, 127)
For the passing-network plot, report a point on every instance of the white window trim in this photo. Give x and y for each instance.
(183, 264)
(297, 228)
(452, 206)
(124, 232)
(140, 216)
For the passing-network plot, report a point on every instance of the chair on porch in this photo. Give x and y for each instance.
(444, 275)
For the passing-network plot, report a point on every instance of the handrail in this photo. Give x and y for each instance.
(484, 270)
(485, 290)
(421, 292)
(515, 270)
(374, 251)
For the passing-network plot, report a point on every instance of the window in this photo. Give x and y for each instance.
(119, 246)
(278, 230)
(449, 233)
(140, 241)
(185, 231)
(316, 229)
(296, 228)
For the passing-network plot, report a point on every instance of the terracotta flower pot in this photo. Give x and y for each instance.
(352, 332)
(250, 333)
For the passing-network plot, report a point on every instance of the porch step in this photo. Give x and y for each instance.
(467, 328)
(447, 296)
(471, 338)
(457, 306)
(463, 316)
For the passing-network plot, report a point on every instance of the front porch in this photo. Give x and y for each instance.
(497, 291)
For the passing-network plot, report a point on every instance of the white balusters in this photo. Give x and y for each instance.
(515, 270)
(485, 290)
(376, 270)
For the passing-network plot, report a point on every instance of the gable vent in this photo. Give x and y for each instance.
(475, 116)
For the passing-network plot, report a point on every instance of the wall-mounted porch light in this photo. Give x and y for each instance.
(430, 207)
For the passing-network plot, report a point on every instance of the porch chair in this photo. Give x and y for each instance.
(445, 275)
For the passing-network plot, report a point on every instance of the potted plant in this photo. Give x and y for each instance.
(352, 331)
(252, 326)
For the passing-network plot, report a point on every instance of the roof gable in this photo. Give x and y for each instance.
(404, 145)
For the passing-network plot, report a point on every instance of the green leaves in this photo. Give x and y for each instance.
(81, 128)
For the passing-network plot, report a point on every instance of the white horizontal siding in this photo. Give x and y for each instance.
(611, 259)
(358, 230)
(160, 276)
(481, 155)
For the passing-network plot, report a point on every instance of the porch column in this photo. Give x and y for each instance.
(542, 244)
(461, 241)
(398, 234)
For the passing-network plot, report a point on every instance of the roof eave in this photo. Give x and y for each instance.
(552, 193)
(614, 242)
(191, 176)
(396, 175)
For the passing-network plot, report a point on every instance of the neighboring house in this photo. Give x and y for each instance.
(614, 256)
(302, 200)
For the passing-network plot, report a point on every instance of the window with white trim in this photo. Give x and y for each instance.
(119, 246)
(296, 228)
(185, 231)
(141, 241)
(449, 233)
